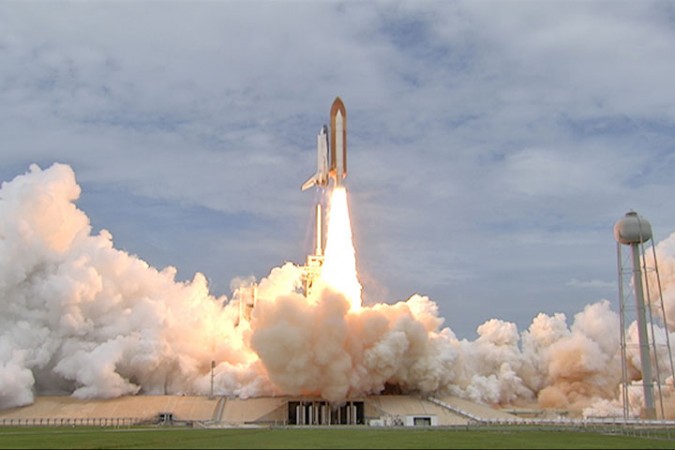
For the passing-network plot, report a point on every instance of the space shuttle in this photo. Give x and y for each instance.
(331, 149)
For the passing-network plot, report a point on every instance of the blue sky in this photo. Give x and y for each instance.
(492, 145)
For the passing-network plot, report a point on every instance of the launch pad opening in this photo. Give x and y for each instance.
(319, 412)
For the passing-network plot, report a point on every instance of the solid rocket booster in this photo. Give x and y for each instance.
(331, 159)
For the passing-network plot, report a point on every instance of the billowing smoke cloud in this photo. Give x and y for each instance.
(79, 317)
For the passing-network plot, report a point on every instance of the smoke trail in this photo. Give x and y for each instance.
(79, 317)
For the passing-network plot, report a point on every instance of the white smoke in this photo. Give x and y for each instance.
(79, 317)
(665, 258)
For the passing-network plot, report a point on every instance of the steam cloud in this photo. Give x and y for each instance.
(78, 316)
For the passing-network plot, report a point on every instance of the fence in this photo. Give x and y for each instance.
(80, 421)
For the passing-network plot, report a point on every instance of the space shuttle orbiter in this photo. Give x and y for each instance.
(331, 158)
(320, 178)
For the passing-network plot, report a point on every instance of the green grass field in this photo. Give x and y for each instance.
(47, 437)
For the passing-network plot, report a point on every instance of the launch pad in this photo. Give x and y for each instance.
(381, 410)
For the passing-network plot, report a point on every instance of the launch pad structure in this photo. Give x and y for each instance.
(221, 412)
(369, 411)
(312, 268)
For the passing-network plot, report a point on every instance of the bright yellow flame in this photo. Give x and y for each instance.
(339, 266)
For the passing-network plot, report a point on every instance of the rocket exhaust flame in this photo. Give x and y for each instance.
(339, 267)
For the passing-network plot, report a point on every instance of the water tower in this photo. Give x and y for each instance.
(635, 276)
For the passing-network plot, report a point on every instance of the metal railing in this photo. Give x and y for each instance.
(76, 421)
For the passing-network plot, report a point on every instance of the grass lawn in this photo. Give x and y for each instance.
(89, 437)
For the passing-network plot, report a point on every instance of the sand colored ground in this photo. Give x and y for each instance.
(183, 408)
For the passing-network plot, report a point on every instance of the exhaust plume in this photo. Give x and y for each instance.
(339, 268)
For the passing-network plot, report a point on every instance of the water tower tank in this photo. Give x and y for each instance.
(632, 229)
